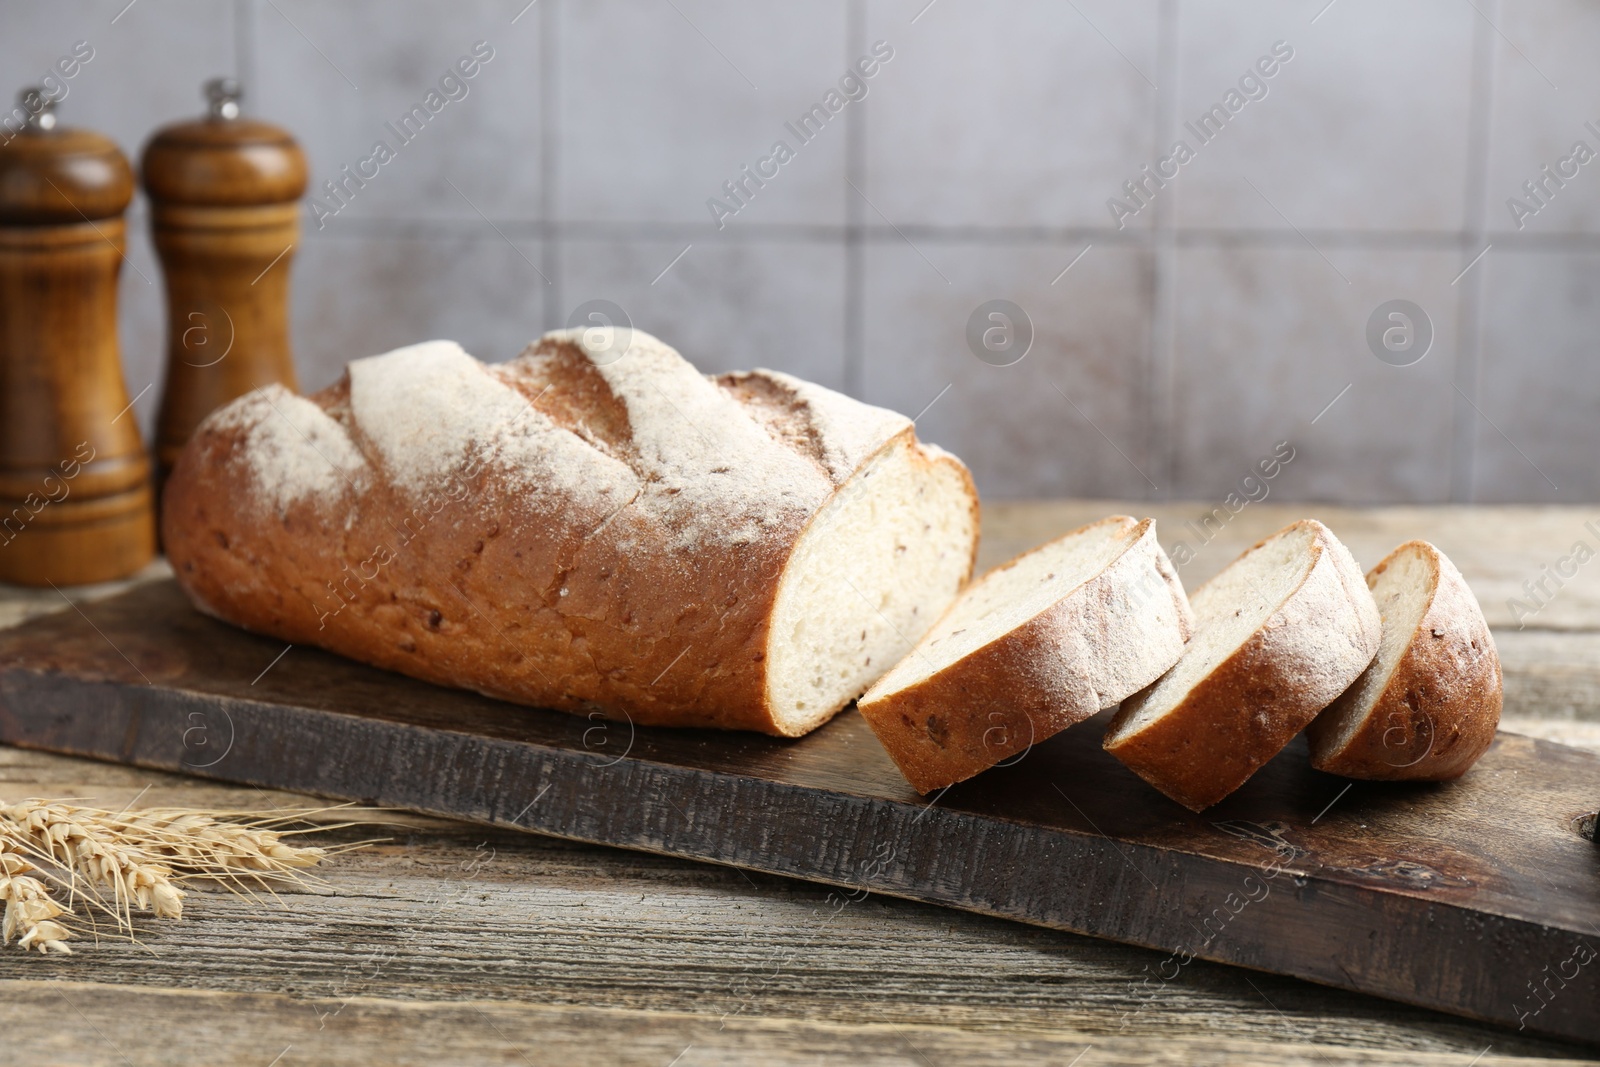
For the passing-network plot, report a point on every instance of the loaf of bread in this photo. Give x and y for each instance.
(1279, 634)
(577, 531)
(1032, 647)
(1427, 706)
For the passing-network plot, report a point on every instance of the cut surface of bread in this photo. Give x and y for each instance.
(580, 529)
(1032, 647)
(875, 567)
(1427, 706)
(1279, 633)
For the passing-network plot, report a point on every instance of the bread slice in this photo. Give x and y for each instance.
(869, 574)
(1427, 706)
(1029, 649)
(1280, 633)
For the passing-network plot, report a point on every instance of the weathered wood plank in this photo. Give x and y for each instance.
(1551, 674)
(98, 1024)
(1410, 892)
(18, 603)
(449, 912)
(599, 929)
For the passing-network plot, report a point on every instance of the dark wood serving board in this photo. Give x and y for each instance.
(1477, 897)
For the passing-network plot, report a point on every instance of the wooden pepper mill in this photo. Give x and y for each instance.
(75, 501)
(224, 208)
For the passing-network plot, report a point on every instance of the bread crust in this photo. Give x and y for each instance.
(541, 594)
(1440, 708)
(1252, 704)
(1105, 639)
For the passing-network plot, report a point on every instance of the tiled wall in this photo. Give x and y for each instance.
(1170, 353)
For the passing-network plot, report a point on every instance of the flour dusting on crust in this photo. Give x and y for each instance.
(432, 412)
(424, 407)
(698, 461)
(846, 431)
(294, 449)
(710, 472)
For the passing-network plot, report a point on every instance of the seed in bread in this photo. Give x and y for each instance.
(1280, 633)
(1427, 706)
(1032, 647)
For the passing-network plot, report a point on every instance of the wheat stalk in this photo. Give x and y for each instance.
(121, 861)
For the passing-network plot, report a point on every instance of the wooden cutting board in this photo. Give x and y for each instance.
(1477, 897)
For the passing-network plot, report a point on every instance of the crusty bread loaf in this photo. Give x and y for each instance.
(1280, 633)
(1029, 649)
(580, 532)
(1427, 706)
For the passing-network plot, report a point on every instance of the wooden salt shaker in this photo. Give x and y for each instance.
(224, 206)
(75, 501)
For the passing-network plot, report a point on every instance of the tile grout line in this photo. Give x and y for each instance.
(551, 248)
(1474, 225)
(1161, 367)
(1071, 239)
(854, 248)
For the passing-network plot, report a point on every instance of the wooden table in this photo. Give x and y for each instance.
(454, 944)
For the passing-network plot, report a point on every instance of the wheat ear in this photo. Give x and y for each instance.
(198, 842)
(80, 841)
(122, 860)
(29, 910)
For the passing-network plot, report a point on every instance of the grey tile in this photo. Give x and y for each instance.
(1268, 338)
(1365, 128)
(725, 306)
(341, 77)
(1546, 91)
(146, 69)
(1016, 426)
(354, 297)
(662, 103)
(1019, 113)
(1010, 113)
(1540, 381)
